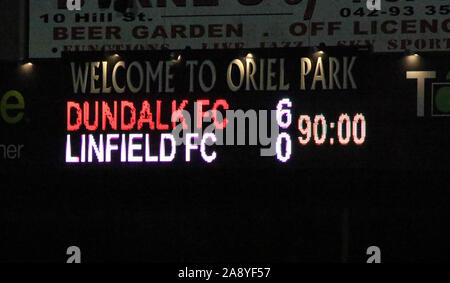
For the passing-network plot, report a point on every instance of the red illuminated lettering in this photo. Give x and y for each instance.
(128, 126)
(107, 115)
(73, 105)
(200, 114)
(159, 125)
(177, 114)
(220, 103)
(146, 116)
(88, 126)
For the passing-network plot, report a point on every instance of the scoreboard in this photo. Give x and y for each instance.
(213, 155)
(289, 108)
(294, 108)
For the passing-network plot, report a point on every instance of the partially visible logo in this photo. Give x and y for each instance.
(373, 5)
(12, 106)
(73, 5)
(440, 93)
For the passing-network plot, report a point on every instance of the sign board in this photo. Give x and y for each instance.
(270, 108)
(218, 24)
(264, 108)
(120, 200)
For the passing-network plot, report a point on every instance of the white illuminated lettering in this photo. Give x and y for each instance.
(205, 156)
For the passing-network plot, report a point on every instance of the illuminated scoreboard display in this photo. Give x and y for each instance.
(225, 155)
(297, 108)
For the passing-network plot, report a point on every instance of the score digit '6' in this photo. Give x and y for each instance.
(284, 120)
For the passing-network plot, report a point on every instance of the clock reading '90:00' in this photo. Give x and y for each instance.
(317, 129)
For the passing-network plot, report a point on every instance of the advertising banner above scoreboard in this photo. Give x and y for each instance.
(237, 24)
